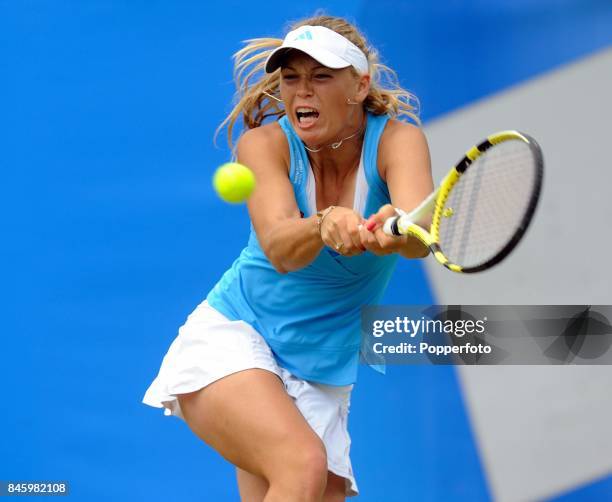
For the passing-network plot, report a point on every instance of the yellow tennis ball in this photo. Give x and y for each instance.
(234, 182)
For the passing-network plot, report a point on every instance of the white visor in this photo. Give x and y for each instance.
(326, 46)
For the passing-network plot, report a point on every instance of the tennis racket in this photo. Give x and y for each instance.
(483, 206)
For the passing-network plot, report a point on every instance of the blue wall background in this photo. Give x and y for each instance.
(111, 233)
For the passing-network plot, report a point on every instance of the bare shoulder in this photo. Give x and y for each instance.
(397, 133)
(266, 133)
(267, 142)
(399, 142)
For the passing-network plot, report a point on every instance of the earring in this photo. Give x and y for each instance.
(351, 102)
(271, 96)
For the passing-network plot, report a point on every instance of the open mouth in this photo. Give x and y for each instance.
(306, 116)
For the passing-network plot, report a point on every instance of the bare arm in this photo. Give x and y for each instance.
(406, 167)
(289, 241)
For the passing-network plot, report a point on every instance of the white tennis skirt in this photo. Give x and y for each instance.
(209, 347)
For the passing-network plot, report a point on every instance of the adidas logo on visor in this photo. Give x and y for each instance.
(304, 36)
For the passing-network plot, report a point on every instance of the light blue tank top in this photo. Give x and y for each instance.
(310, 318)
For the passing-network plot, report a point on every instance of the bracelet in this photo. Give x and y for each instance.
(321, 216)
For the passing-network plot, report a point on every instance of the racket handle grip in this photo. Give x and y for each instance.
(390, 227)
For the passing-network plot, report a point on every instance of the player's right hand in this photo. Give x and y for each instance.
(340, 231)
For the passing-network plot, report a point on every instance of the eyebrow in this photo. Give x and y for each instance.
(313, 68)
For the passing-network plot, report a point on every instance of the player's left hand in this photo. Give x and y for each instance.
(374, 239)
(379, 243)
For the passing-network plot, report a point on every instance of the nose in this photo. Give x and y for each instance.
(304, 88)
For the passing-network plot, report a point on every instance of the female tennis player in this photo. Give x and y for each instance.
(263, 369)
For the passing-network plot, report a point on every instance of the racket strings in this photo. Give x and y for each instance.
(487, 205)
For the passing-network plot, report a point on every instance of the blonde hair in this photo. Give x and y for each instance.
(254, 87)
